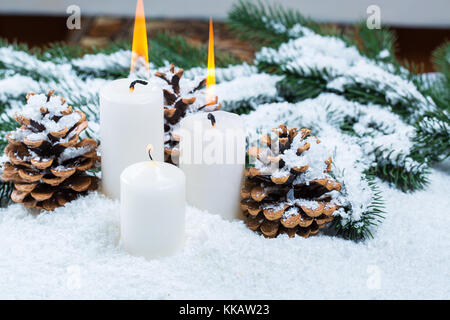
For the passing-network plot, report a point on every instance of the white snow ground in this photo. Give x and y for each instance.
(74, 254)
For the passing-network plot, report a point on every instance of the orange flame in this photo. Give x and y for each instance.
(140, 47)
(211, 77)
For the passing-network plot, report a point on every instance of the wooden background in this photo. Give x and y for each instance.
(414, 44)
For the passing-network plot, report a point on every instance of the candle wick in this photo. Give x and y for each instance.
(212, 119)
(149, 150)
(133, 83)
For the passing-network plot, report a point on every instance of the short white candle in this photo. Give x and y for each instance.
(129, 121)
(152, 209)
(213, 160)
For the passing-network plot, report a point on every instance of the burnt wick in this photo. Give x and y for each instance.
(132, 84)
(149, 150)
(212, 119)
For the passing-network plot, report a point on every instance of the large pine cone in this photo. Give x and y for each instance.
(47, 161)
(178, 103)
(290, 190)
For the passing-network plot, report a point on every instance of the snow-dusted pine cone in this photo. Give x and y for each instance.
(290, 189)
(177, 103)
(47, 161)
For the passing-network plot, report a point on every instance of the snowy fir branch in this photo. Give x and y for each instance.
(314, 60)
(370, 218)
(271, 26)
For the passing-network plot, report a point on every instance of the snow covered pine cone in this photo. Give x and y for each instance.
(47, 161)
(290, 189)
(177, 103)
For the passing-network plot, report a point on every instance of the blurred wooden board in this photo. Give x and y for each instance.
(414, 45)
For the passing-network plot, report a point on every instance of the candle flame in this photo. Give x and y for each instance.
(140, 48)
(211, 77)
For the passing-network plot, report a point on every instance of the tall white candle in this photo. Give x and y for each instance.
(129, 121)
(152, 209)
(212, 156)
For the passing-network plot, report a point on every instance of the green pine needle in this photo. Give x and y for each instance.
(372, 217)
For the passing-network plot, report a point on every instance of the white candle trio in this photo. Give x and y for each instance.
(153, 193)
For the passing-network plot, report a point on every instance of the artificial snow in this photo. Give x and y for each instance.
(75, 253)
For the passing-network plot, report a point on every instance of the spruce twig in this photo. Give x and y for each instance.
(371, 218)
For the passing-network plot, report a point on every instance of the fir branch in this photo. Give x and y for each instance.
(265, 24)
(373, 42)
(61, 52)
(404, 171)
(411, 179)
(7, 125)
(271, 25)
(249, 21)
(165, 48)
(301, 84)
(371, 218)
(297, 88)
(7, 101)
(367, 82)
(185, 55)
(247, 105)
(301, 80)
(369, 93)
(6, 188)
(58, 52)
(432, 139)
(441, 59)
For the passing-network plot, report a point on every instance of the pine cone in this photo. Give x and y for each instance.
(289, 190)
(47, 161)
(177, 103)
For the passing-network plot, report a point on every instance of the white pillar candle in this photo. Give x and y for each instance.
(152, 209)
(213, 159)
(129, 121)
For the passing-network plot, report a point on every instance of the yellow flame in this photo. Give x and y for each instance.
(140, 47)
(211, 77)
